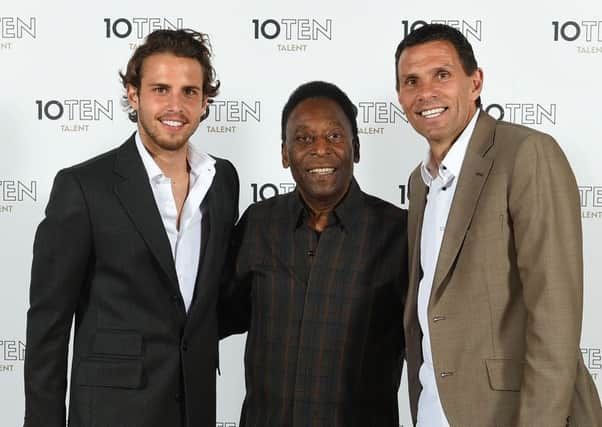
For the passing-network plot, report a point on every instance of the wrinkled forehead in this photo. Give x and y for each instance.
(438, 52)
(313, 110)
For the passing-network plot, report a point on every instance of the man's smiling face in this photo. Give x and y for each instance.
(169, 102)
(320, 151)
(435, 92)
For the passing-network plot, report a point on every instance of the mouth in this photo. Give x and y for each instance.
(172, 124)
(432, 112)
(321, 171)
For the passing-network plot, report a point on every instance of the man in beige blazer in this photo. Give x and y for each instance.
(493, 314)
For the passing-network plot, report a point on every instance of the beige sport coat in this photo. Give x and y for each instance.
(506, 305)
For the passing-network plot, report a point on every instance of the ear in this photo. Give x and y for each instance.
(204, 105)
(205, 108)
(356, 149)
(477, 84)
(284, 150)
(132, 92)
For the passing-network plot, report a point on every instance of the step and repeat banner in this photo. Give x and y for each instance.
(60, 104)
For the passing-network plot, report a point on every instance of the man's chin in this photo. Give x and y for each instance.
(171, 144)
(323, 196)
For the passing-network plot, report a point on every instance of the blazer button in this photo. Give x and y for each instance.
(175, 299)
(184, 346)
(178, 397)
(446, 374)
(438, 318)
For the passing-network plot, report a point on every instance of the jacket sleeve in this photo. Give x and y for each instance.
(61, 253)
(234, 309)
(545, 210)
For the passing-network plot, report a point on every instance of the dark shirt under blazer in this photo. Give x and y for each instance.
(324, 312)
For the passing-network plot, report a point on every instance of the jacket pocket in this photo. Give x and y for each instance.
(118, 374)
(504, 374)
(117, 343)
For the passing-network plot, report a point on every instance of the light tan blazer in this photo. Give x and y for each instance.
(506, 305)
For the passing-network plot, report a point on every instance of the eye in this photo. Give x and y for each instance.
(335, 136)
(410, 81)
(161, 90)
(304, 139)
(190, 91)
(443, 74)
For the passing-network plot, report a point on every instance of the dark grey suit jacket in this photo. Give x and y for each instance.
(102, 254)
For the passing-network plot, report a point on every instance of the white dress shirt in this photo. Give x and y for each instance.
(438, 203)
(186, 242)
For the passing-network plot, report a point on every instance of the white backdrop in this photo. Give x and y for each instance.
(60, 95)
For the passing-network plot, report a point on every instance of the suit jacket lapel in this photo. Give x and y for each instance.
(208, 278)
(208, 245)
(136, 196)
(475, 170)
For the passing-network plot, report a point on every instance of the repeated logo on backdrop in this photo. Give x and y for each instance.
(591, 201)
(584, 34)
(592, 357)
(14, 193)
(403, 195)
(376, 117)
(528, 114)
(75, 114)
(14, 29)
(12, 353)
(472, 30)
(135, 29)
(227, 116)
(266, 190)
(292, 35)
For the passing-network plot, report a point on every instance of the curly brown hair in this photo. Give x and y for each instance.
(184, 43)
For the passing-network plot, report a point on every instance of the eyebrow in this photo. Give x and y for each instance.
(335, 123)
(168, 85)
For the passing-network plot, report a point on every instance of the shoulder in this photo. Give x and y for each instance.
(94, 167)
(226, 172)
(224, 166)
(270, 212)
(517, 132)
(275, 206)
(385, 210)
(512, 137)
(528, 144)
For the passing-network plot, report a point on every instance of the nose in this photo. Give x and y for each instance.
(321, 145)
(426, 90)
(174, 102)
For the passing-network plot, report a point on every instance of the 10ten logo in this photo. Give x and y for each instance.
(292, 29)
(571, 30)
(122, 27)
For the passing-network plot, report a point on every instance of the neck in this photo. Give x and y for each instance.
(438, 153)
(318, 219)
(172, 163)
(319, 211)
(439, 149)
